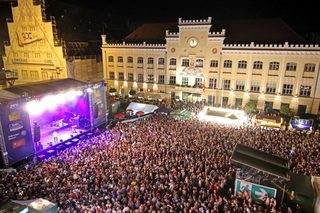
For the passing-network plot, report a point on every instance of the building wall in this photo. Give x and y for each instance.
(209, 46)
(33, 52)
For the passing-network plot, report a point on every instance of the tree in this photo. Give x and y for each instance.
(285, 110)
(132, 92)
(250, 107)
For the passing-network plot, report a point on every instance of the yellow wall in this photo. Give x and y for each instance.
(211, 46)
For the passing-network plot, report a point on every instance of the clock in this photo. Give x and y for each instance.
(193, 42)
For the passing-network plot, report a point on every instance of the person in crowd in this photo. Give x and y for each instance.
(158, 164)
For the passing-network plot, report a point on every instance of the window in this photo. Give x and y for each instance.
(161, 61)
(227, 64)
(199, 63)
(309, 67)
(291, 67)
(172, 80)
(140, 60)
(213, 63)
(130, 76)
(255, 86)
(54, 76)
(226, 84)
(161, 79)
(173, 61)
(37, 55)
(110, 58)
(26, 55)
(211, 99)
(150, 78)
(271, 88)
(287, 89)
(305, 90)
(185, 62)
(49, 55)
(150, 60)
(24, 74)
(240, 85)
(45, 75)
(212, 83)
(198, 82)
(238, 103)
(274, 65)
(34, 75)
(130, 60)
(121, 76)
(120, 59)
(242, 64)
(257, 65)
(140, 77)
(111, 75)
(185, 81)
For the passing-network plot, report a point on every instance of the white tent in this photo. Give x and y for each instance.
(146, 108)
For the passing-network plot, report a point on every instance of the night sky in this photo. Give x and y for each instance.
(89, 18)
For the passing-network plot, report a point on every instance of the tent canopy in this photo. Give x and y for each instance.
(268, 163)
(145, 108)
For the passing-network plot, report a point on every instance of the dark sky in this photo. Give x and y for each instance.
(87, 18)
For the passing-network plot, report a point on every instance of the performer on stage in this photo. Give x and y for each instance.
(55, 137)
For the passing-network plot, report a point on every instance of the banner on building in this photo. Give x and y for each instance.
(98, 104)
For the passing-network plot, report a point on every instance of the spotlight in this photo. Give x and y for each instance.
(34, 107)
(71, 95)
(79, 93)
(61, 98)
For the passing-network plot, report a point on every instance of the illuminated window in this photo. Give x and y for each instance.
(305, 90)
(226, 84)
(185, 81)
(120, 59)
(37, 55)
(45, 75)
(242, 64)
(24, 74)
(150, 78)
(199, 63)
(34, 75)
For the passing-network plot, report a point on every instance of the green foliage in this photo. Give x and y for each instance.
(132, 92)
(285, 110)
(250, 107)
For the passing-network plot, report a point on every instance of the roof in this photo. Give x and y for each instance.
(44, 87)
(151, 32)
(271, 30)
(268, 163)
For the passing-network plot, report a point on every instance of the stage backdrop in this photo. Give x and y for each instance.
(16, 131)
(98, 104)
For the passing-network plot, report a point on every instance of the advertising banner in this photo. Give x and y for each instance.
(16, 131)
(99, 104)
(258, 192)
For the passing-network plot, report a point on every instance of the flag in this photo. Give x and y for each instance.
(203, 85)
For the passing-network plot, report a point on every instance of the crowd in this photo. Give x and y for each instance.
(158, 165)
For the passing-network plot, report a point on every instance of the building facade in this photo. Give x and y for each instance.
(195, 64)
(34, 51)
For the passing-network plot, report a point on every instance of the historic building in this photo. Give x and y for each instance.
(34, 51)
(229, 64)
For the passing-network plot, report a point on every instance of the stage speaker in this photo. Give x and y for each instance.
(36, 133)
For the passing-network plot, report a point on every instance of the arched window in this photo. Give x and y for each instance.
(227, 64)
(242, 64)
(257, 65)
(130, 60)
(150, 60)
(161, 61)
(274, 65)
(110, 58)
(173, 61)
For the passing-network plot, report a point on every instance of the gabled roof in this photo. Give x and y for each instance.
(151, 33)
(268, 163)
(268, 31)
(44, 87)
